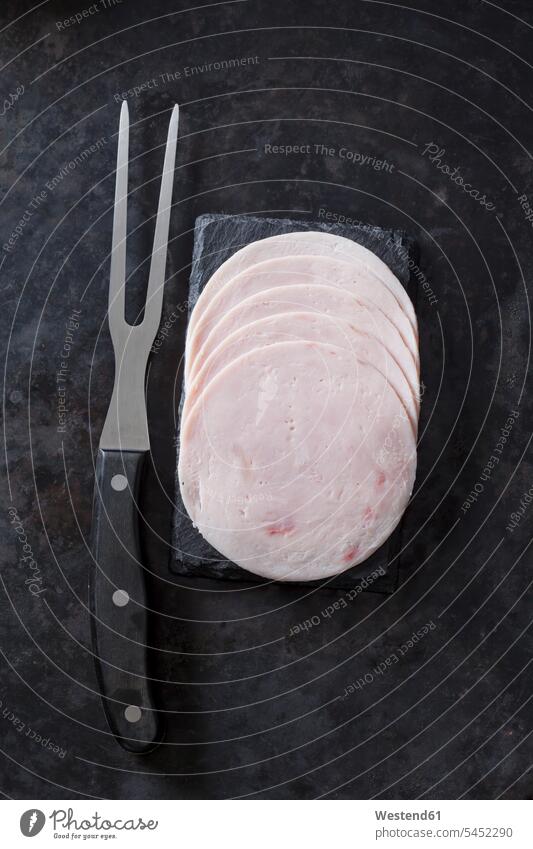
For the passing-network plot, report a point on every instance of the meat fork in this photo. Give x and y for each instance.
(117, 585)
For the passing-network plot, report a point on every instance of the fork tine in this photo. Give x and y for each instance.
(156, 278)
(117, 279)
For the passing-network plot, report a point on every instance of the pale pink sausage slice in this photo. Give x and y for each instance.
(326, 300)
(307, 326)
(297, 461)
(305, 242)
(290, 270)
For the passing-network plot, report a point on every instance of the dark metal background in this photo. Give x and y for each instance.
(250, 710)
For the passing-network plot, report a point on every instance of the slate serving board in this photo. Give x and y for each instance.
(216, 238)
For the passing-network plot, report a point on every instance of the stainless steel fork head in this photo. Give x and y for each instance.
(126, 426)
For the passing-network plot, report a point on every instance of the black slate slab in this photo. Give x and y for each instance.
(216, 238)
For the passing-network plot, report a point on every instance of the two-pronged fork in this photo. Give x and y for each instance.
(118, 594)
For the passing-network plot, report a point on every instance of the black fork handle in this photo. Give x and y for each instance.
(118, 602)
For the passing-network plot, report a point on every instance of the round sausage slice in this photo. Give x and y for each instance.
(308, 326)
(297, 461)
(326, 300)
(297, 270)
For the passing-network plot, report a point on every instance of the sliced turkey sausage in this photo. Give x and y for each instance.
(297, 270)
(308, 326)
(326, 300)
(307, 242)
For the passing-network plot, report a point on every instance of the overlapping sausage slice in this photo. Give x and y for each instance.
(297, 461)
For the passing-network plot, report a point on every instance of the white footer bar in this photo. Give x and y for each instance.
(257, 824)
